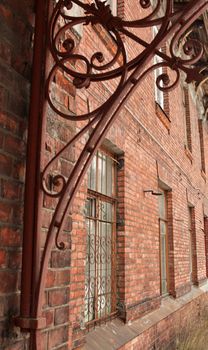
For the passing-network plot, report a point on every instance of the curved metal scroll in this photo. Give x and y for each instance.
(103, 117)
(94, 69)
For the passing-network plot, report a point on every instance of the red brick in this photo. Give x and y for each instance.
(15, 65)
(43, 341)
(7, 122)
(10, 190)
(14, 259)
(5, 165)
(14, 145)
(61, 315)
(19, 170)
(8, 281)
(18, 212)
(10, 237)
(3, 97)
(60, 259)
(58, 336)
(50, 278)
(3, 259)
(5, 212)
(62, 277)
(58, 296)
(1, 140)
(49, 315)
(5, 52)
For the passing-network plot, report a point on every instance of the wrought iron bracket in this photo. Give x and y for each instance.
(54, 50)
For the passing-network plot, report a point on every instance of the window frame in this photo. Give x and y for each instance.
(159, 94)
(187, 119)
(201, 141)
(113, 5)
(76, 11)
(190, 230)
(206, 242)
(192, 216)
(165, 221)
(99, 197)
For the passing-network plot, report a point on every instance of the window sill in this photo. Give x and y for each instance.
(163, 117)
(203, 174)
(116, 334)
(107, 41)
(188, 154)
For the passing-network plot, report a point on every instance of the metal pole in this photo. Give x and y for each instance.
(33, 195)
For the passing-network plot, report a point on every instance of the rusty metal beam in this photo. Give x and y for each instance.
(35, 129)
(172, 25)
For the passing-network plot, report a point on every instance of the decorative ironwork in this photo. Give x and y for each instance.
(127, 73)
(101, 119)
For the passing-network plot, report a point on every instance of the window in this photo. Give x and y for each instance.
(206, 242)
(192, 245)
(187, 119)
(113, 6)
(75, 11)
(100, 281)
(159, 95)
(163, 224)
(201, 137)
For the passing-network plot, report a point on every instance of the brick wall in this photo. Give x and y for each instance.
(206, 242)
(154, 151)
(170, 332)
(16, 34)
(56, 303)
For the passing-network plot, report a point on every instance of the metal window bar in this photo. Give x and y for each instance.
(100, 282)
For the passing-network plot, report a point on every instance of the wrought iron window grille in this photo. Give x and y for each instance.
(100, 277)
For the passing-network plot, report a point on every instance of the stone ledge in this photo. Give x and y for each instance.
(165, 120)
(203, 174)
(116, 334)
(188, 153)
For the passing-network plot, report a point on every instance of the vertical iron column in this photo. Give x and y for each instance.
(33, 195)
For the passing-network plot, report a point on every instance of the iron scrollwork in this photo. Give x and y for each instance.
(127, 74)
(130, 73)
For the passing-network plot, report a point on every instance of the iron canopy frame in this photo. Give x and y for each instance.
(48, 59)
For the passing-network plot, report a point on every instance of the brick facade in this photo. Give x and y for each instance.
(152, 145)
(16, 40)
